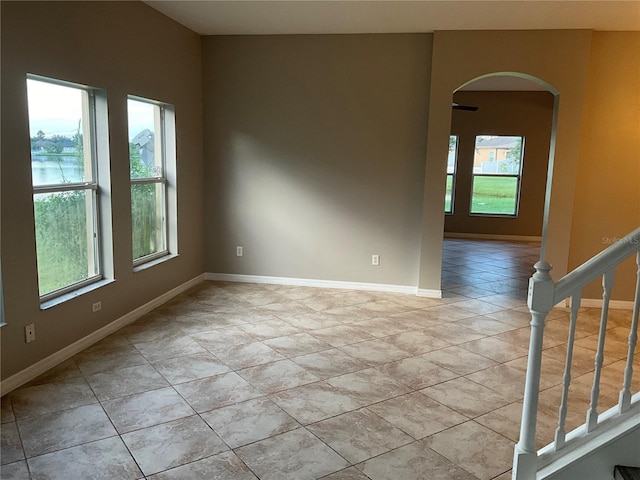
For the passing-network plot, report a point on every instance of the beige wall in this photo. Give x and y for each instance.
(315, 155)
(607, 203)
(526, 114)
(123, 48)
(557, 59)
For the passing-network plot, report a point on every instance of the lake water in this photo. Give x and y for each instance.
(47, 170)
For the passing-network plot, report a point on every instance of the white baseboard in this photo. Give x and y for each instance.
(615, 304)
(305, 282)
(38, 368)
(492, 236)
(425, 292)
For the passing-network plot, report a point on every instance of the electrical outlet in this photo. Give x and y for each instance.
(238, 251)
(96, 307)
(375, 260)
(30, 333)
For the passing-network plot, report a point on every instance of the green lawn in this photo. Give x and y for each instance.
(494, 195)
(448, 198)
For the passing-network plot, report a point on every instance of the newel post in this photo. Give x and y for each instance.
(540, 302)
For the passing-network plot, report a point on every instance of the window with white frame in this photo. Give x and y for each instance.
(152, 163)
(452, 161)
(64, 168)
(497, 174)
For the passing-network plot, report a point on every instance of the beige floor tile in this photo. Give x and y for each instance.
(125, 381)
(295, 455)
(341, 335)
(101, 460)
(512, 317)
(64, 371)
(10, 444)
(375, 352)
(247, 355)
(478, 306)
(277, 376)
(168, 348)
(458, 360)
(475, 448)
(51, 397)
(359, 435)
(351, 473)
(417, 372)
(495, 349)
(224, 466)
(172, 444)
(448, 313)
(503, 379)
(417, 414)
(329, 363)
(415, 461)
(146, 409)
(381, 327)
(111, 359)
(6, 410)
(216, 392)
(314, 402)
(250, 421)
(368, 386)
(223, 338)
(466, 397)
(453, 333)
(485, 325)
(416, 342)
(68, 428)
(269, 329)
(190, 367)
(297, 344)
(14, 471)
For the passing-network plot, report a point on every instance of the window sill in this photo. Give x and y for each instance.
(154, 262)
(74, 294)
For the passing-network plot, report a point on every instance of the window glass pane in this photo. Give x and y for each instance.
(494, 195)
(58, 129)
(145, 154)
(147, 211)
(497, 155)
(64, 238)
(453, 153)
(448, 197)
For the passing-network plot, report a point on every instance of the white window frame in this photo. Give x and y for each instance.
(453, 176)
(164, 131)
(93, 128)
(517, 176)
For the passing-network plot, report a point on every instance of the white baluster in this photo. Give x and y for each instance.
(540, 301)
(566, 379)
(592, 414)
(625, 394)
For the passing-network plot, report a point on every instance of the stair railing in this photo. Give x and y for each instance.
(543, 294)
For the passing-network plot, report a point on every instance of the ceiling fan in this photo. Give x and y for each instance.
(468, 108)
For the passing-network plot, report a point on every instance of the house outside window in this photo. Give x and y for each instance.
(152, 173)
(66, 184)
(497, 174)
(452, 161)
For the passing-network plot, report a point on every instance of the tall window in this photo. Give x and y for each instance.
(62, 124)
(451, 173)
(497, 172)
(151, 151)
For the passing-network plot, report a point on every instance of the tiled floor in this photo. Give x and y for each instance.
(243, 381)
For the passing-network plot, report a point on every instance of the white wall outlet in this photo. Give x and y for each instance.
(375, 260)
(30, 333)
(238, 251)
(96, 307)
